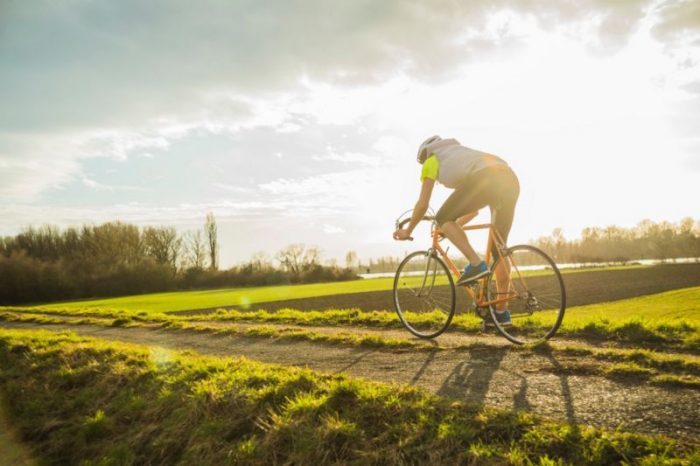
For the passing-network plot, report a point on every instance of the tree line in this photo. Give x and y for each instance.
(113, 259)
(647, 240)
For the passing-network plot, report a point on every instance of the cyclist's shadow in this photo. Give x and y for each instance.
(567, 398)
(469, 380)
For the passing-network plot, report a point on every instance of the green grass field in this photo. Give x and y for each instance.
(241, 297)
(86, 401)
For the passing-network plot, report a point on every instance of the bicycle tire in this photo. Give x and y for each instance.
(425, 313)
(539, 291)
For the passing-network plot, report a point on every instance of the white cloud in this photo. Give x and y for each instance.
(327, 189)
(101, 187)
(14, 215)
(348, 158)
(94, 184)
(232, 189)
(677, 19)
(332, 229)
(178, 59)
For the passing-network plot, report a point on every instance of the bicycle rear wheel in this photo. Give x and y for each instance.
(536, 297)
(424, 294)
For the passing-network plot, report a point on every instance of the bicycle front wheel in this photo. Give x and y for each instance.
(527, 282)
(424, 294)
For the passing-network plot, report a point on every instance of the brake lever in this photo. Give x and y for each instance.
(398, 224)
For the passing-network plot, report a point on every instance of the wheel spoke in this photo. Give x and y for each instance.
(417, 296)
(539, 303)
(437, 304)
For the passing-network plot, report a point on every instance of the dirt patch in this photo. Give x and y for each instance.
(492, 373)
(581, 288)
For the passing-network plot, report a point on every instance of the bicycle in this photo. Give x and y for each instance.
(425, 290)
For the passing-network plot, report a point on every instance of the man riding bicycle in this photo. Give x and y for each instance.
(479, 179)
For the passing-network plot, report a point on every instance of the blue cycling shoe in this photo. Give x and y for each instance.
(472, 273)
(503, 319)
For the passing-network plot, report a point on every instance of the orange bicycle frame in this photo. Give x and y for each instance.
(493, 235)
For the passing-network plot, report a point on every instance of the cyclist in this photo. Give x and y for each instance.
(479, 179)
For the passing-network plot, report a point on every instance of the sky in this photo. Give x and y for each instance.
(298, 121)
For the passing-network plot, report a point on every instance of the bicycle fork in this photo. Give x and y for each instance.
(430, 255)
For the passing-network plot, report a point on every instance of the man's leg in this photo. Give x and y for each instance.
(509, 188)
(458, 237)
(502, 281)
(468, 198)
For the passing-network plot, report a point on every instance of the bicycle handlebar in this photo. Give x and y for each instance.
(402, 223)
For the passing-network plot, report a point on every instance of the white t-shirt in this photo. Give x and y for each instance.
(450, 163)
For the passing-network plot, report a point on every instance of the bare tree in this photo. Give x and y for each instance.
(196, 249)
(312, 257)
(163, 244)
(260, 261)
(291, 257)
(350, 259)
(42, 243)
(210, 232)
(297, 258)
(117, 242)
(332, 262)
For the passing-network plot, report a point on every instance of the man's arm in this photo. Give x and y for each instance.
(419, 209)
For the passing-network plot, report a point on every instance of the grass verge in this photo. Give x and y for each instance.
(348, 338)
(670, 319)
(83, 401)
(635, 366)
(624, 365)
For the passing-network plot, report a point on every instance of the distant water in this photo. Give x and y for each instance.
(572, 265)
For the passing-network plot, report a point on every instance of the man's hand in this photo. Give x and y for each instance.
(402, 235)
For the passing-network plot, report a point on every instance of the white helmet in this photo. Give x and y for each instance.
(423, 149)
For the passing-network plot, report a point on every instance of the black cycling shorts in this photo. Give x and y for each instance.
(496, 187)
